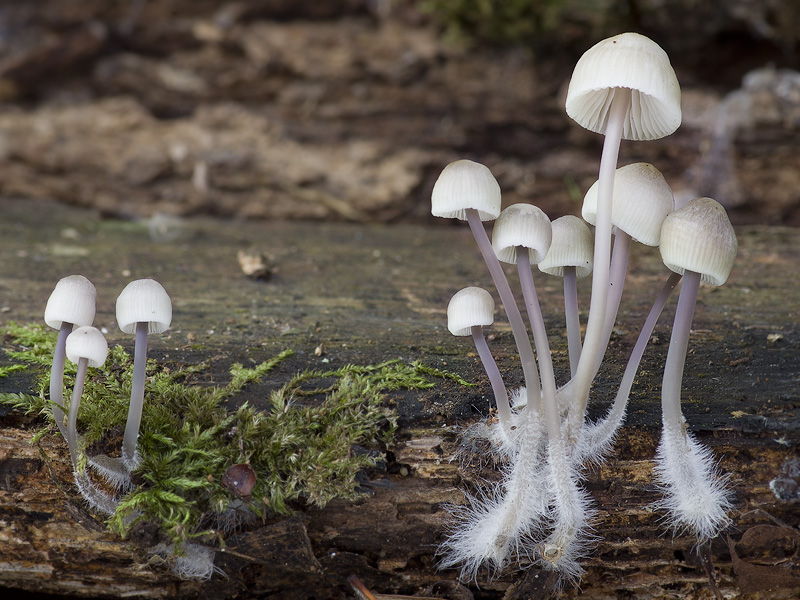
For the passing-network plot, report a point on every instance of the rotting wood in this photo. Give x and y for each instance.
(368, 293)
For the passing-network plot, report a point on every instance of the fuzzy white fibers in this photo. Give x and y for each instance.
(490, 530)
(696, 498)
(96, 499)
(570, 514)
(597, 439)
(113, 471)
(503, 440)
(191, 561)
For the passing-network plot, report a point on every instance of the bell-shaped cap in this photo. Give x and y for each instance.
(144, 301)
(523, 225)
(573, 246)
(465, 184)
(699, 237)
(642, 200)
(468, 308)
(633, 61)
(72, 301)
(87, 342)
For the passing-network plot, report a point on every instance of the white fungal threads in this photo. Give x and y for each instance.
(624, 88)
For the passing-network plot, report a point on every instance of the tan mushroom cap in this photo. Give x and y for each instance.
(699, 237)
(573, 246)
(642, 200)
(468, 308)
(633, 61)
(523, 225)
(462, 185)
(87, 342)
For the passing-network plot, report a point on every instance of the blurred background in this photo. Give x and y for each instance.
(349, 109)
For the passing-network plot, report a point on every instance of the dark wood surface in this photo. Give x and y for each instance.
(367, 293)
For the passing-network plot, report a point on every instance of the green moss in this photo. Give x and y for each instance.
(301, 447)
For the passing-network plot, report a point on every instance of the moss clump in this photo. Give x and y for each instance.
(300, 447)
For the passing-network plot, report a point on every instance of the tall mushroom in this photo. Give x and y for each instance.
(143, 307)
(86, 347)
(72, 304)
(570, 257)
(623, 87)
(698, 241)
(468, 191)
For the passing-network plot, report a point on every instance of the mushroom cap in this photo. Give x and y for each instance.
(465, 184)
(699, 237)
(144, 301)
(573, 246)
(642, 200)
(87, 342)
(469, 307)
(523, 225)
(72, 301)
(628, 60)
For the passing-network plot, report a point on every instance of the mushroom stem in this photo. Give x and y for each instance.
(568, 502)
(572, 318)
(129, 454)
(593, 347)
(695, 497)
(542, 346)
(96, 499)
(616, 283)
(601, 435)
(74, 406)
(495, 378)
(57, 376)
(518, 328)
(676, 355)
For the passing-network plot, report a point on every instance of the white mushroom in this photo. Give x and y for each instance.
(698, 241)
(71, 304)
(85, 347)
(469, 311)
(143, 307)
(642, 200)
(570, 257)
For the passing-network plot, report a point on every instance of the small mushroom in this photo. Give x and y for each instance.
(85, 347)
(468, 191)
(71, 304)
(469, 311)
(522, 235)
(570, 257)
(143, 307)
(698, 241)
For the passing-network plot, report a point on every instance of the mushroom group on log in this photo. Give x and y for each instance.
(369, 293)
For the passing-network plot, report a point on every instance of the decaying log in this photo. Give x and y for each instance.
(367, 293)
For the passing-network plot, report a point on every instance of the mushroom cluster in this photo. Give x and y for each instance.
(624, 88)
(143, 307)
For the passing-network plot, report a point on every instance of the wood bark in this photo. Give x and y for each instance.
(367, 293)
